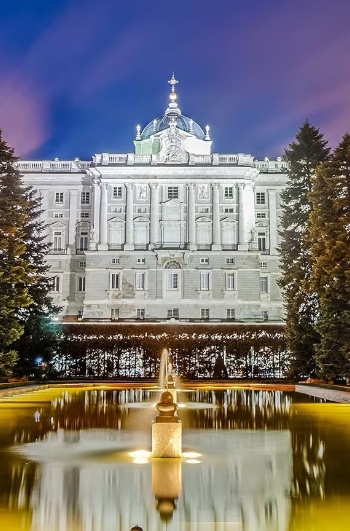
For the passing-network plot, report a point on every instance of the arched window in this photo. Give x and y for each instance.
(172, 264)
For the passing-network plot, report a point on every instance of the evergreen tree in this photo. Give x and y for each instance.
(303, 156)
(330, 248)
(23, 283)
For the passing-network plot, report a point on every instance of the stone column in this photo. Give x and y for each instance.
(129, 233)
(95, 236)
(273, 221)
(191, 218)
(73, 210)
(154, 228)
(103, 243)
(216, 244)
(246, 215)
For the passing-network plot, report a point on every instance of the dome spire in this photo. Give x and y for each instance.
(173, 108)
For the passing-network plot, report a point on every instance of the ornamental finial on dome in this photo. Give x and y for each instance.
(207, 135)
(138, 132)
(173, 106)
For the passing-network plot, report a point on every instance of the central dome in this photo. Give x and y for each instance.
(173, 116)
(163, 122)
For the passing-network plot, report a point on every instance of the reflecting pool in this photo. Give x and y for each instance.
(77, 459)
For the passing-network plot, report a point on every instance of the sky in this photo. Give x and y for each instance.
(77, 76)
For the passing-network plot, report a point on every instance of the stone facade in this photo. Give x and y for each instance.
(171, 231)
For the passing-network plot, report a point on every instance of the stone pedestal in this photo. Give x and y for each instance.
(166, 439)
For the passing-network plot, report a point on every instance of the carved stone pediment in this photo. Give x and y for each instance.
(173, 147)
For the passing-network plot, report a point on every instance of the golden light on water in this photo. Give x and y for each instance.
(140, 454)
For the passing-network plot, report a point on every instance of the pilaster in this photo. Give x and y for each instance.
(191, 217)
(216, 242)
(129, 233)
(103, 243)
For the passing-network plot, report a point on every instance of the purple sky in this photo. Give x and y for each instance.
(78, 75)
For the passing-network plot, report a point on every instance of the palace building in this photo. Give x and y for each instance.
(172, 231)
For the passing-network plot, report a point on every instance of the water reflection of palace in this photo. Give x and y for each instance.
(256, 459)
(241, 478)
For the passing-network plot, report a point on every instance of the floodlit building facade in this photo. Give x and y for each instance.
(170, 231)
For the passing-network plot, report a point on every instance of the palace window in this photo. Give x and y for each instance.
(173, 192)
(204, 280)
(204, 260)
(59, 198)
(173, 313)
(261, 241)
(230, 313)
(264, 284)
(58, 215)
(82, 265)
(261, 215)
(260, 198)
(265, 315)
(81, 283)
(114, 314)
(228, 192)
(229, 210)
(57, 241)
(140, 281)
(230, 261)
(83, 241)
(115, 261)
(173, 281)
(56, 284)
(205, 313)
(85, 198)
(230, 281)
(140, 313)
(117, 192)
(263, 265)
(84, 215)
(141, 260)
(114, 280)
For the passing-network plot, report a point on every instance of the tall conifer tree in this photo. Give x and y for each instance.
(24, 286)
(303, 155)
(330, 248)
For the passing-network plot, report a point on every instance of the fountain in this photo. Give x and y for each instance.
(167, 427)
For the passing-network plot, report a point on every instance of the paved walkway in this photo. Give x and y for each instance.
(328, 394)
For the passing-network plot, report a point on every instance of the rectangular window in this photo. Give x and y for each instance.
(261, 215)
(230, 281)
(265, 315)
(81, 283)
(204, 280)
(204, 260)
(83, 241)
(82, 265)
(117, 192)
(261, 241)
(173, 281)
(260, 198)
(230, 313)
(56, 284)
(173, 192)
(205, 313)
(115, 261)
(263, 265)
(141, 210)
(58, 215)
(85, 198)
(114, 281)
(230, 261)
(140, 313)
(84, 215)
(203, 210)
(264, 284)
(57, 241)
(114, 314)
(229, 210)
(228, 192)
(117, 209)
(141, 260)
(59, 198)
(140, 280)
(173, 313)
